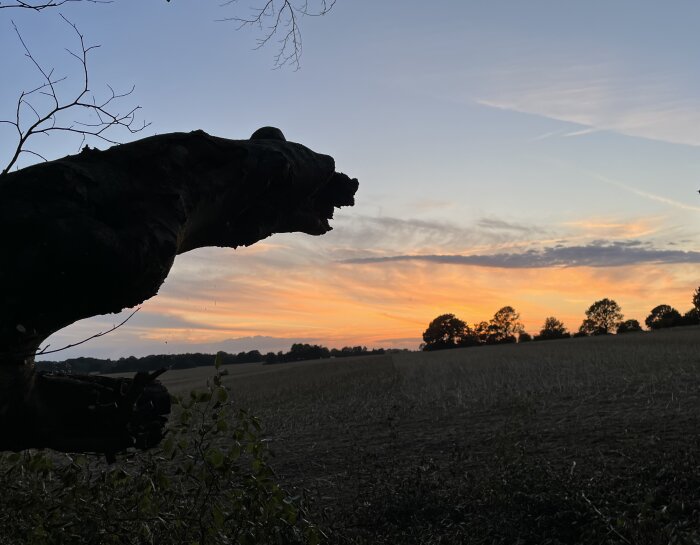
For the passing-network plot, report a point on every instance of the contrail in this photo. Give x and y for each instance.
(646, 194)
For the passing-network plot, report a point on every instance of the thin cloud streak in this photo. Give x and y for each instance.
(581, 132)
(604, 254)
(646, 194)
(598, 93)
(600, 106)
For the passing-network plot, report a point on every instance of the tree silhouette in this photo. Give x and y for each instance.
(505, 325)
(692, 317)
(552, 329)
(629, 326)
(586, 329)
(445, 331)
(663, 316)
(602, 317)
(524, 337)
(482, 332)
(696, 300)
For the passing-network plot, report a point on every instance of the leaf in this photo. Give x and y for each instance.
(168, 445)
(221, 425)
(203, 397)
(218, 516)
(235, 451)
(215, 457)
(221, 395)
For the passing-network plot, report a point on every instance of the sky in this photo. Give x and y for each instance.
(540, 154)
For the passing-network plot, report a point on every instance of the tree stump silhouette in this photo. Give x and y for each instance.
(98, 232)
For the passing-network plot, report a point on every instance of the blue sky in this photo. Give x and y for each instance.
(565, 132)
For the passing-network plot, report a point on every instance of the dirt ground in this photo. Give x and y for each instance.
(572, 441)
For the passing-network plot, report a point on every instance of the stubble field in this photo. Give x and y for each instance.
(592, 440)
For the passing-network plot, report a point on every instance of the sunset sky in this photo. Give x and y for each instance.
(538, 154)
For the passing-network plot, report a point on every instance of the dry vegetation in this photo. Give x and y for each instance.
(590, 440)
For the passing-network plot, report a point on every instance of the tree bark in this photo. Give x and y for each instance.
(97, 232)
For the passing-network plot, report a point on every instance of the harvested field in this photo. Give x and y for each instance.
(590, 440)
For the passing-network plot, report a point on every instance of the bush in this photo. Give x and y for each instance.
(552, 329)
(663, 316)
(629, 326)
(524, 337)
(208, 483)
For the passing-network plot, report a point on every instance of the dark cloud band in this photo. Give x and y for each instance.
(615, 254)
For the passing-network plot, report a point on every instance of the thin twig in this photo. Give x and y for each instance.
(48, 122)
(95, 336)
(39, 6)
(282, 16)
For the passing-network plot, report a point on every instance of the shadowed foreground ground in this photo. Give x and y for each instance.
(583, 440)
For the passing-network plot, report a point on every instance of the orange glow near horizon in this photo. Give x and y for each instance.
(390, 304)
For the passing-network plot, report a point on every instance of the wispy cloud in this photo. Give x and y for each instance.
(581, 132)
(545, 135)
(647, 194)
(294, 287)
(496, 224)
(351, 303)
(362, 235)
(597, 254)
(597, 97)
(614, 229)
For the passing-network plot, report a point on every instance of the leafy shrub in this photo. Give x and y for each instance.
(208, 483)
(629, 326)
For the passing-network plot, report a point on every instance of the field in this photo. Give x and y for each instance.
(591, 440)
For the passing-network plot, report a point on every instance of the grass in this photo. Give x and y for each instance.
(589, 440)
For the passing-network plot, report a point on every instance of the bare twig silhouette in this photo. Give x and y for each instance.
(51, 118)
(39, 6)
(281, 18)
(46, 350)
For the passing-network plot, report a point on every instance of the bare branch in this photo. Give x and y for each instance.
(51, 118)
(40, 6)
(45, 350)
(280, 18)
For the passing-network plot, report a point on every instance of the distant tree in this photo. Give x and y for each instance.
(483, 333)
(663, 316)
(602, 317)
(524, 337)
(270, 357)
(303, 351)
(253, 356)
(692, 317)
(587, 328)
(552, 329)
(505, 325)
(470, 338)
(629, 326)
(445, 331)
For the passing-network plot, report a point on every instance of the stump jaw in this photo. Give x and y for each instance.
(86, 413)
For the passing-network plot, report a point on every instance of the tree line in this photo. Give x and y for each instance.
(603, 317)
(303, 351)
(298, 352)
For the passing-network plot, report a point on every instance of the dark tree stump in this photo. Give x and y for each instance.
(97, 232)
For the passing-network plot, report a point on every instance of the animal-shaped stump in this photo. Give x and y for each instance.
(98, 232)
